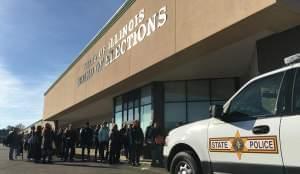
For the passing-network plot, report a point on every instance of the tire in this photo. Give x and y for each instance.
(184, 163)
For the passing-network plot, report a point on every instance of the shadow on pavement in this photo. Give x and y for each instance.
(76, 164)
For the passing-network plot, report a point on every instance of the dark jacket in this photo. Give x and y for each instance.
(115, 140)
(96, 132)
(124, 136)
(48, 139)
(12, 140)
(136, 136)
(86, 135)
(70, 137)
(155, 133)
(37, 145)
(148, 137)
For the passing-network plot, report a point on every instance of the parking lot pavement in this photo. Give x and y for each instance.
(25, 167)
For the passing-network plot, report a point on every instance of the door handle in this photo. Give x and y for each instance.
(264, 129)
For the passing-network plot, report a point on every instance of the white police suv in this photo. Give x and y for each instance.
(256, 131)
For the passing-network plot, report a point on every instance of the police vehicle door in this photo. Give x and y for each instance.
(246, 138)
(290, 125)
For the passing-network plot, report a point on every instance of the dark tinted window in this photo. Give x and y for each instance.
(258, 99)
(296, 98)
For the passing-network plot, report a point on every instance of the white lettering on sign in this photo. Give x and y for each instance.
(134, 32)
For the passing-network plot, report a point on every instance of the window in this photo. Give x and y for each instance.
(296, 99)
(125, 118)
(258, 99)
(175, 91)
(198, 111)
(189, 101)
(118, 119)
(137, 109)
(222, 89)
(146, 116)
(198, 100)
(135, 105)
(146, 95)
(130, 111)
(118, 103)
(118, 111)
(198, 90)
(174, 113)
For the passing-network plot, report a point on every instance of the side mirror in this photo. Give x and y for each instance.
(216, 111)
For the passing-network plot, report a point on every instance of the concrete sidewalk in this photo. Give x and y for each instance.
(77, 167)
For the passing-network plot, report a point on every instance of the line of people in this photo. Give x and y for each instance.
(107, 140)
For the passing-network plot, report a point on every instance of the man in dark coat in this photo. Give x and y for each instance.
(37, 144)
(69, 139)
(125, 140)
(59, 143)
(157, 139)
(47, 143)
(86, 135)
(136, 143)
(30, 143)
(114, 145)
(12, 142)
(96, 142)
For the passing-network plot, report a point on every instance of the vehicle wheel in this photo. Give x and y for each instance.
(184, 163)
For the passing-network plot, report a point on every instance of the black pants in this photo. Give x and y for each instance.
(156, 154)
(69, 151)
(47, 153)
(59, 147)
(114, 154)
(136, 153)
(103, 146)
(83, 147)
(126, 150)
(30, 151)
(37, 152)
(97, 149)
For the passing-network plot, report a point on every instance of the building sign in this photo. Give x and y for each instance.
(133, 33)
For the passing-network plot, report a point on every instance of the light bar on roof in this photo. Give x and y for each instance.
(292, 59)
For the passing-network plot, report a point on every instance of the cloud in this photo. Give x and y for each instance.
(21, 99)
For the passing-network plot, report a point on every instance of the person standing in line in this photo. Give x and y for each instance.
(124, 139)
(59, 143)
(96, 132)
(12, 142)
(157, 139)
(69, 143)
(137, 141)
(115, 145)
(148, 140)
(21, 144)
(47, 143)
(37, 144)
(86, 135)
(30, 144)
(103, 138)
(130, 142)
